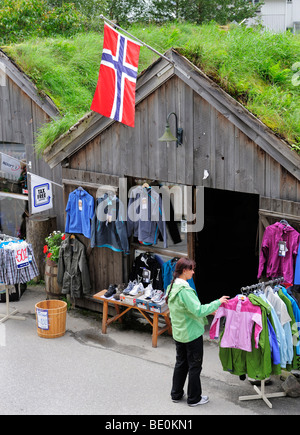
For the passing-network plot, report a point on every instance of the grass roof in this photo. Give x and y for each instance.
(259, 69)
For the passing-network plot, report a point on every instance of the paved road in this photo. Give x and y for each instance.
(120, 373)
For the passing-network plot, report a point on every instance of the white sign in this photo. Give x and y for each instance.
(41, 194)
(42, 319)
(10, 165)
(21, 255)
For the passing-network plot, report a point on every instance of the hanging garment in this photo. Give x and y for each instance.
(279, 263)
(294, 313)
(145, 217)
(168, 270)
(10, 274)
(241, 315)
(147, 270)
(284, 318)
(297, 268)
(280, 334)
(274, 347)
(73, 272)
(80, 211)
(109, 228)
(257, 364)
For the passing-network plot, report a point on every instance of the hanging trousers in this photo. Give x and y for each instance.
(189, 357)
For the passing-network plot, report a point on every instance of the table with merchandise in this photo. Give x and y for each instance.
(135, 304)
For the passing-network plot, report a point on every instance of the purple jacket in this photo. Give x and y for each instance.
(269, 255)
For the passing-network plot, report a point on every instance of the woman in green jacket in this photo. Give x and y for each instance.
(188, 319)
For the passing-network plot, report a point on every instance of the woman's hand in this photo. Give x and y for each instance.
(224, 300)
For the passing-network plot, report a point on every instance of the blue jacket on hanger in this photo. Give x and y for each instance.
(297, 268)
(168, 270)
(80, 211)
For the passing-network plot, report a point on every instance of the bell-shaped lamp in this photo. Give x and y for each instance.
(168, 136)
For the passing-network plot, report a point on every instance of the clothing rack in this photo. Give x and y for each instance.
(249, 289)
(10, 314)
(261, 393)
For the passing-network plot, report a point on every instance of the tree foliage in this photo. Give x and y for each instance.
(20, 19)
(203, 11)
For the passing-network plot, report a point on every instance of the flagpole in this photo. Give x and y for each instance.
(141, 42)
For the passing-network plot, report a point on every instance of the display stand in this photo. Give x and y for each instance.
(9, 315)
(156, 330)
(261, 394)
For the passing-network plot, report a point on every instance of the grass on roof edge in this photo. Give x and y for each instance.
(253, 67)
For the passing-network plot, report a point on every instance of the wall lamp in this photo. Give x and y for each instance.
(168, 136)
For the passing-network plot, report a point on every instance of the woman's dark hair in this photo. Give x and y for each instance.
(182, 263)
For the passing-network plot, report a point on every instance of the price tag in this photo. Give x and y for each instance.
(144, 203)
(282, 249)
(21, 256)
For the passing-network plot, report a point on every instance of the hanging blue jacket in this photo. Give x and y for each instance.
(275, 352)
(80, 211)
(168, 270)
(297, 268)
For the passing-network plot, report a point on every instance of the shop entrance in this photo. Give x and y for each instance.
(226, 250)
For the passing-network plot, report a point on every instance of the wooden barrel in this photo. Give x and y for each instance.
(53, 290)
(51, 316)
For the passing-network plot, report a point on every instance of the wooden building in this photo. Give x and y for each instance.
(23, 110)
(250, 176)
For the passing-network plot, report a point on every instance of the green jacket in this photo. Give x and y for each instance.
(188, 315)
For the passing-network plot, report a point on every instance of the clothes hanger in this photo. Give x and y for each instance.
(284, 222)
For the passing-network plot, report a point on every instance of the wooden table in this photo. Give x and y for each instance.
(156, 330)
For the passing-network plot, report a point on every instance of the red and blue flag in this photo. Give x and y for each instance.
(115, 92)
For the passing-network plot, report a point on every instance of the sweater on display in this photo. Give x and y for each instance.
(270, 259)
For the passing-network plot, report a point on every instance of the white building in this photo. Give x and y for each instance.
(280, 15)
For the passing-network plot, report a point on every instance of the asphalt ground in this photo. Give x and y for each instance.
(118, 376)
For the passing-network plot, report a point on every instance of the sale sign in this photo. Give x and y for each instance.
(21, 256)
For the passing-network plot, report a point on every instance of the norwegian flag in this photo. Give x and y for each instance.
(115, 92)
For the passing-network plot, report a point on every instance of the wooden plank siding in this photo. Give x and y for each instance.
(210, 141)
(239, 152)
(22, 113)
(103, 263)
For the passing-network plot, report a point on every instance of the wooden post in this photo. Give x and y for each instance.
(38, 228)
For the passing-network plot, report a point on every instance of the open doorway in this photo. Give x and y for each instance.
(226, 249)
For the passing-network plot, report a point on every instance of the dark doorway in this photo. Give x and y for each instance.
(226, 254)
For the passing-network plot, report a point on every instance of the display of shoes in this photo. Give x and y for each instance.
(149, 292)
(129, 287)
(119, 291)
(137, 290)
(111, 291)
(158, 295)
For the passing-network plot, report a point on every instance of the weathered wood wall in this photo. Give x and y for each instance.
(104, 264)
(210, 141)
(20, 119)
